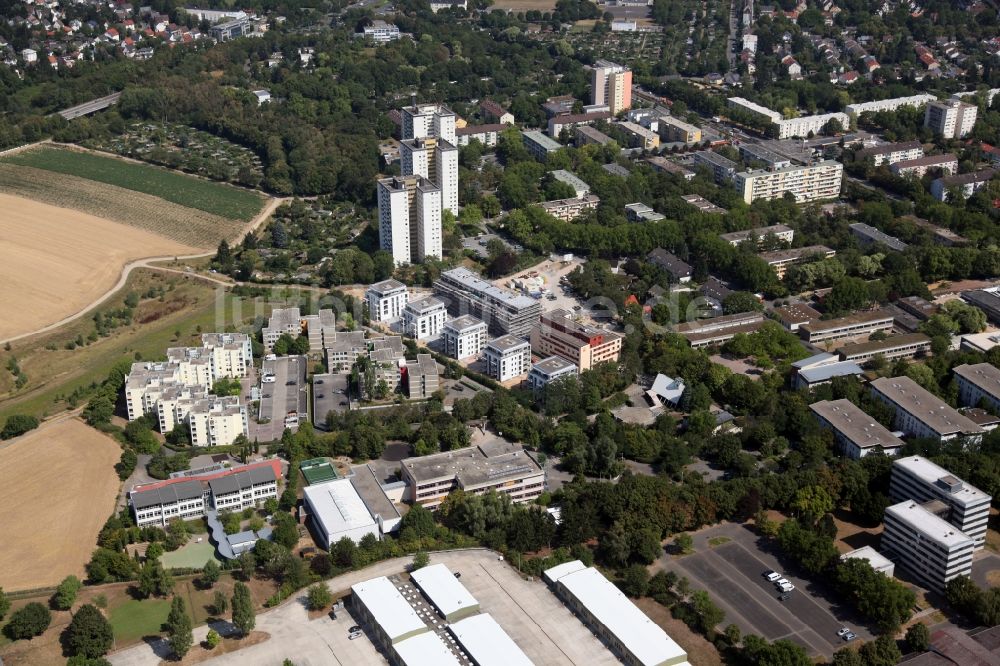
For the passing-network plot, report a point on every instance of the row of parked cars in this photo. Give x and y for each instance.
(786, 587)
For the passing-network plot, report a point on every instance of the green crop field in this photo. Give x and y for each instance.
(215, 198)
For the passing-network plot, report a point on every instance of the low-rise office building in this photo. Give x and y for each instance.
(780, 260)
(464, 337)
(821, 369)
(920, 413)
(919, 166)
(386, 300)
(424, 318)
(335, 510)
(917, 478)
(851, 326)
(557, 333)
(806, 183)
(783, 233)
(893, 347)
(486, 643)
(930, 548)
(570, 209)
(986, 300)
(501, 467)
(979, 382)
(891, 153)
(875, 559)
(855, 432)
(549, 370)
(618, 622)
(507, 357)
(717, 330)
(794, 315)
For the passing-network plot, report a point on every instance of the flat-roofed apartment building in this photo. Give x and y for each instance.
(386, 300)
(674, 129)
(920, 413)
(507, 357)
(424, 318)
(893, 104)
(780, 232)
(921, 165)
(890, 153)
(557, 333)
(757, 155)
(869, 235)
(639, 136)
(930, 548)
(917, 478)
(586, 135)
(317, 327)
(851, 326)
(806, 183)
(191, 496)
(619, 623)
(498, 466)
(214, 420)
(421, 377)
(716, 330)
(893, 347)
(723, 169)
(855, 432)
(464, 337)
(539, 145)
(549, 370)
(572, 208)
(780, 260)
(978, 382)
(504, 311)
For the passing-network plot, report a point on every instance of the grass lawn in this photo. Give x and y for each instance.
(134, 619)
(215, 198)
(191, 556)
(718, 541)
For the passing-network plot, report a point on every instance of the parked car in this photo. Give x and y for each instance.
(354, 634)
(850, 636)
(355, 629)
(843, 631)
(772, 576)
(787, 587)
(781, 581)
(784, 596)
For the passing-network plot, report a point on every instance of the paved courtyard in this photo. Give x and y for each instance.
(535, 619)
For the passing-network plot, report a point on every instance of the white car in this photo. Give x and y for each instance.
(787, 587)
(781, 581)
(843, 631)
(772, 576)
(267, 380)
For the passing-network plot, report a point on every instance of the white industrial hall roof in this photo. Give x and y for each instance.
(487, 643)
(387, 606)
(427, 649)
(443, 589)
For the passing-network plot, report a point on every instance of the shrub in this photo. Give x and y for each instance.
(28, 622)
(90, 634)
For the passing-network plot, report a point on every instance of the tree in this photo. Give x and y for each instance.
(89, 634)
(212, 639)
(918, 637)
(635, 582)
(244, 617)
(179, 628)
(319, 597)
(812, 502)
(66, 593)
(210, 573)
(219, 603)
(883, 651)
(18, 424)
(684, 542)
(420, 560)
(154, 579)
(27, 622)
(4, 604)
(741, 301)
(99, 410)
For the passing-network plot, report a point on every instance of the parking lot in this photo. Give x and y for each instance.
(731, 572)
(287, 394)
(329, 395)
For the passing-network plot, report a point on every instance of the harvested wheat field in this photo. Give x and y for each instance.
(189, 226)
(54, 262)
(59, 487)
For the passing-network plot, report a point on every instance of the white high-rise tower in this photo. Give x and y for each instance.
(428, 149)
(409, 209)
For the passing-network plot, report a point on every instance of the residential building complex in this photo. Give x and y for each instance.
(893, 104)
(806, 183)
(639, 136)
(498, 466)
(380, 32)
(756, 155)
(893, 347)
(422, 121)
(920, 413)
(640, 212)
(675, 130)
(678, 269)
(421, 377)
(917, 478)
(213, 420)
(780, 232)
(502, 310)
(855, 432)
(930, 548)
(582, 345)
(780, 260)
(916, 168)
(869, 235)
(723, 169)
(951, 119)
(891, 153)
(190, 496)
(539, 145)
(464, 337)
(424, 318)
(409, 211)
(570, 209)
(965, 184)
(717, 330)
(436, 160)
(788, 127)
(507, 357)
(580, 187)
(386, 300)
(588, 135)
(618, 622)
(566, 121)
(978, 383)
(851, 326)
(550, 369)
(611, 84)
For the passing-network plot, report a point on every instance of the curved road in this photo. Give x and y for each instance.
(148, 263)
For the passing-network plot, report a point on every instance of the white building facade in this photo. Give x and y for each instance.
(464, 337)
(507, 357)
(386, 300)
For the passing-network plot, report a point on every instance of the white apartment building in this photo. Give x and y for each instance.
(386, 300)
(380, 32)
(231, 353)
(570, 209)
(966, 184)
(850, 326)
(424, 318)
(952, 118)
(888, 104)
(507, 357)
(436, 160)
(802, 126)
(409, 211)
(281, 321)
(215, 421)
(422, 121)
(464, 337)
(169, 400)
(978, 382)
(557, 333)
(755, 109)
(919, 166)
(548, 370)
(856, 433)
(917, 478)
(781, 232)
(920, 413)
(144, 384)
(890, 153)
(806, 183)
(611, 85)
(930, 548)
(194, 366)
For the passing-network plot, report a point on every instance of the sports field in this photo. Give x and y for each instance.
(214, 198)
(54, 261)
(59, 487)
